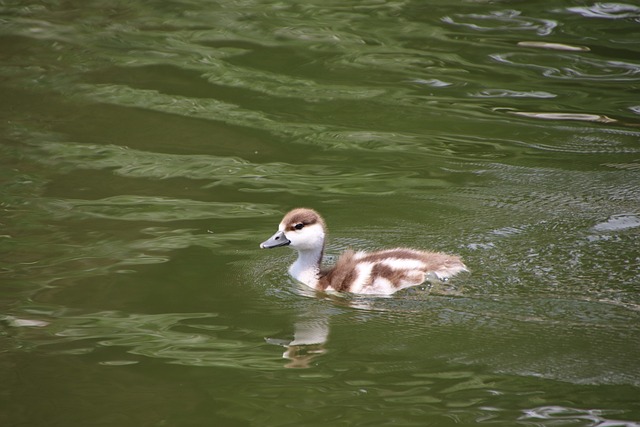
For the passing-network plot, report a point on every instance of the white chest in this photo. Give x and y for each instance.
(306, 269)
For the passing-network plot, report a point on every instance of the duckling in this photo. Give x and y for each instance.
(380, 273)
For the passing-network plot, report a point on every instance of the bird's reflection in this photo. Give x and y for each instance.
(311, 331)
(314, 312)
(309, 338)
(312, 323)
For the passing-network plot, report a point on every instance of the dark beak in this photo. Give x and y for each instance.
(278, 239)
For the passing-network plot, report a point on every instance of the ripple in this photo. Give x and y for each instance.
(554, 46)
(596, 118)
(618, 223)
(593, 143)
(590, 193)
(316, 34)
(431, 82)
(367, 140)
(504, 20)
(24, 323)
(562, 415)
(624, 166)
(231, 171)
(283, 85)
(506, 93)
(156, 209)
(393, 61)
(89, 249)
(572, 67)
(607, 11)
(119, 362)
(178, 338)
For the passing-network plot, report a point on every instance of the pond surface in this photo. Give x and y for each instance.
(147, 148)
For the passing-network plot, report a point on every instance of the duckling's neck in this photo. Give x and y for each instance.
(306, 268)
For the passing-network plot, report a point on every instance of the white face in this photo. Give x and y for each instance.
(304, 237)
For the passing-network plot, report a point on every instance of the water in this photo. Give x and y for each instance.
(147, 148)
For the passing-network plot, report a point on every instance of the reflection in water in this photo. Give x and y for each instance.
(561, 415)
(500, 93)
(311, 325)
(503, 20)
(572, 67)
(607, 10)
(618, 223)
(314, 316)
(193, 339)
(565, 116)
(311, 331)
(554, 46)
(156, 209)
(226, 171)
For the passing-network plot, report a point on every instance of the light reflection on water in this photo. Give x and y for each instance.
(148, 148)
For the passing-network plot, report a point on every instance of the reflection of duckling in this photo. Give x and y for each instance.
(382, 272)
(302, 356)
(310, 336)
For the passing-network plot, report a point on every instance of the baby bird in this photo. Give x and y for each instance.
(382, 272)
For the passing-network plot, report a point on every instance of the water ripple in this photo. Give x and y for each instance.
(232, 171)
(156, 209)
(554, 46)
(618, 222)
(581, 117)
(607, 11)
(572, 67)
(503, 20)
(195, 339)
(175, 127)
(561, 415)
(506, 93)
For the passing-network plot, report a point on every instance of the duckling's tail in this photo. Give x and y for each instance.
(450, 269)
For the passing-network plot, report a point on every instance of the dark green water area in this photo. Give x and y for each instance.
(148, 147)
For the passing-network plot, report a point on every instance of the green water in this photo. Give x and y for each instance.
(147, 148)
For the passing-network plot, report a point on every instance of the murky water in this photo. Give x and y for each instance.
(148, 147)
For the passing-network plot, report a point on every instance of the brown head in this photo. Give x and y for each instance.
(302, 228)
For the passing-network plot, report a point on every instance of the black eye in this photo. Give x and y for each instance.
(299, 226)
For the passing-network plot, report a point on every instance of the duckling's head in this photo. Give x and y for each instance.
(303, 229)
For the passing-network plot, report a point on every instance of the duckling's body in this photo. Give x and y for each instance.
(382, 272)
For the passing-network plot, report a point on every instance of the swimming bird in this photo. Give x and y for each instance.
(382, 272)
